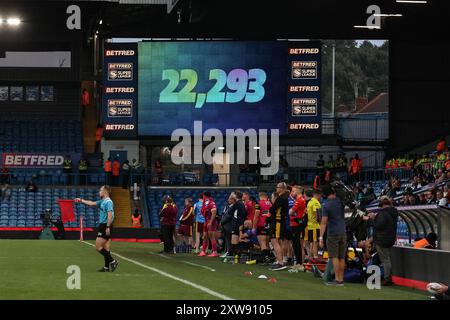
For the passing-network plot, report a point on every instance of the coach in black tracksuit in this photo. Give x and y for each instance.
(238, 214)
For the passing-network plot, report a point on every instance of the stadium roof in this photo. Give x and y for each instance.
(379, 104)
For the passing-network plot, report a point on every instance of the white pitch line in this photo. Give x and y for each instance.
(160, 255)
(198, 265)
(184, 261)
(168, 275)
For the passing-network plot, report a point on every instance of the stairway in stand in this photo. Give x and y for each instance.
(89, 121)
(122, 207)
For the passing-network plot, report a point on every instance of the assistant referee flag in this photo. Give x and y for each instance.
(67, 213)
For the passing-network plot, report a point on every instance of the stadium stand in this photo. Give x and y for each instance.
(24, 208)
(50, 136)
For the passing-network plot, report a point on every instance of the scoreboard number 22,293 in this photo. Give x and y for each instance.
(241, 85)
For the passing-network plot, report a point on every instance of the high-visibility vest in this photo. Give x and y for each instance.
(108, 166)
(116, 168)
(421, 243)
(82, 166)
(136, 221)
(67, 164)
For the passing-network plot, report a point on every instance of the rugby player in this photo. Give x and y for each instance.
(199, 222)
(259, 223)
(209, 211)
(186, 222)
(105, 227)
(298, 221)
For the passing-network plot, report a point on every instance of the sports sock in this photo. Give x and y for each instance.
(233, 250)
(214, 245)
(107, 255)
(205, 246)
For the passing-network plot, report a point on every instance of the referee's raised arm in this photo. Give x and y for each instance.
(86, 202)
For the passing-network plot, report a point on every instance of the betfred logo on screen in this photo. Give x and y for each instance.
(120, 90)
(119, 53)
(304, 88)
(31, 160)
(117, 127)
(304, 126)
(298, 51)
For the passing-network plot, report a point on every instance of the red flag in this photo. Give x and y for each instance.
(67, 213)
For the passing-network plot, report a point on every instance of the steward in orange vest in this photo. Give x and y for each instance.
(427, 243)
(108, 166)
(136, 219)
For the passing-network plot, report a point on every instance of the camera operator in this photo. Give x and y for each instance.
(384, 234)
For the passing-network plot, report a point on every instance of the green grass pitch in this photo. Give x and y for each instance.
(33, 269)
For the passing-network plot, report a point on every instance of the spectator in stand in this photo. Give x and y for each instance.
(448, 199)
(98, 137)
(4, 177)
(447, 163)
(385, 234)
(445, 189)
(431, 196)
(115, 172)
(396, 188)
(441, 146)
(136, 219)
(422, 199)
(409, 199)
(137, 170)
(158, 171)
(440, 177)
(440, 198)
(31, 187)
(168, 217)
(330, 163)
(320, 167)
(82, 170)
(356, 167)
(5, 193)
(67, 169)
(107, 167)
(369, 190)
(126, 174)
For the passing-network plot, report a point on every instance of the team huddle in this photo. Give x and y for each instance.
(285, 227)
